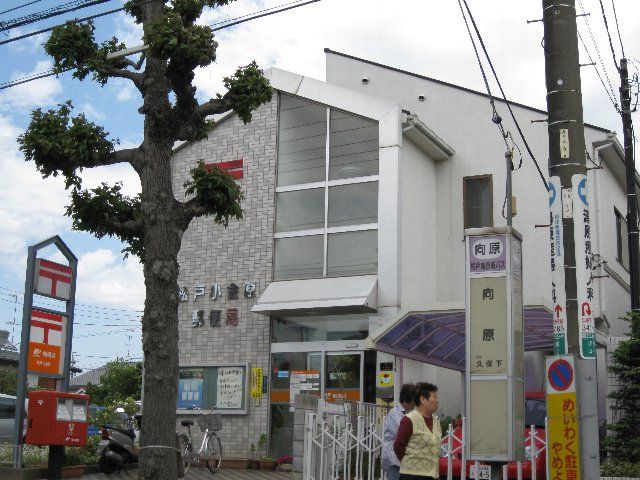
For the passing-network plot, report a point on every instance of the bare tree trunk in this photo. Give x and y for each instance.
(162, 238)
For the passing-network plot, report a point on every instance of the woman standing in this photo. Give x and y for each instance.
(417, 444)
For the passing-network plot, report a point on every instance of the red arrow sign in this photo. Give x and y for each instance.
(558, 310)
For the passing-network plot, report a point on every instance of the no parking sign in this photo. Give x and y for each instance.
(563, 434)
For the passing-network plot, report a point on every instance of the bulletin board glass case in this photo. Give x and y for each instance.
(224, 387)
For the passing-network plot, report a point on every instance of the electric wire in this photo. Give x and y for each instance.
(615, 14)
(53, 12)
(606, 26)
(609, 95)
(37, 76)
(20, 6)
(515, 121)
(595, 44)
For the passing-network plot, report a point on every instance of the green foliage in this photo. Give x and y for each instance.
(247, 90)
(8, 380)
(100, 210)
(109, 415)
(85, 455)
(623, 441)
(618, 468)
(216, 191)
(60, 144)
(120, 381)
(73, 46)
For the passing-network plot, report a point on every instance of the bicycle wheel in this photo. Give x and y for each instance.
(186, 449)
(214, 453)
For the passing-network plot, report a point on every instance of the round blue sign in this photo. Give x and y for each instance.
(560, 375)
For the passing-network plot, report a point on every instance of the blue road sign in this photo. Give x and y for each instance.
(560, 375)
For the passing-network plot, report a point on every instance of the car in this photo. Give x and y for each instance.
(535, 414)
(7, 417)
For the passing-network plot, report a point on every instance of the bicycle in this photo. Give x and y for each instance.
(211, 448)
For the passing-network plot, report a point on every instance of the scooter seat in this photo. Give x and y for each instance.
(127, 431)
(186, 423)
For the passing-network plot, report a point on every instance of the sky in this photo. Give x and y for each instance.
(420, 36)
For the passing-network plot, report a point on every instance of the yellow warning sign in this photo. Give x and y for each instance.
(256, 382)
(385, 379)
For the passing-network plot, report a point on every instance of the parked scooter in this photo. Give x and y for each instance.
(117, 445)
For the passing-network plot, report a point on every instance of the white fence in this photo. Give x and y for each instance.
(346, 444)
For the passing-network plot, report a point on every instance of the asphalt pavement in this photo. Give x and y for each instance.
(202, 474)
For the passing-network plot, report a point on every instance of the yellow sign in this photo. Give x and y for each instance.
(256, 382)
(385, 379)
(563, 434)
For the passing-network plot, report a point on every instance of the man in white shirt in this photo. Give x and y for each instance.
(389, 461)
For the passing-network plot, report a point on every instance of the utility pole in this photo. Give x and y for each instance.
(632, 201)
(566, 159)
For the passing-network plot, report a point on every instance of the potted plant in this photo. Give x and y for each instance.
(252, 462)
(268, 463)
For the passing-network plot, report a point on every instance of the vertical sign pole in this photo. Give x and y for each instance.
(24, 350)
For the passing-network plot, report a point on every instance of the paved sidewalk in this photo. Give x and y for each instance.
(203, 474)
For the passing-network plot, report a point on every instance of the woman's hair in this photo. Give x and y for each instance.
(407, 393)
(424, 389)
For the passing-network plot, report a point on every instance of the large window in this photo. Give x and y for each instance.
(320, 328)
(622, 239)
(478, 202)
(327, 192)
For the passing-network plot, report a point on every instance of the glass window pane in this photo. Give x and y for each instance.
(299, 257)
(478, 202)
(320, 328)
(354, 146)
(352, 253)
(354, 204)
(302, 137)
(342, 377)
(300, 210)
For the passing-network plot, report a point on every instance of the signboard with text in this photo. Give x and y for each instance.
(563, 435)
(46, 342)
(584, 260)
(495, 345)
(256, 382)
(558, 295)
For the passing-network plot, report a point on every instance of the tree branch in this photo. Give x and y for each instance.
(136, 78)
(213, 106)
(125, 155)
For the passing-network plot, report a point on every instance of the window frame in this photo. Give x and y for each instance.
(326, 184)
(464, 198)
(619, 239)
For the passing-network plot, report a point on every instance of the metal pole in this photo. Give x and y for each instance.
(24, 351)
(508, 155)
(567, 158)
(632, 200)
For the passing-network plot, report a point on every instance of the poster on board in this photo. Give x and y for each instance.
(230, 387)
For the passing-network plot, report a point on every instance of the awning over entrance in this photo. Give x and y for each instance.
(321, 295)
(438, 337)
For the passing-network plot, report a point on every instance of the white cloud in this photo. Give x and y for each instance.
(29, 45)
(105, 279)
(36, 93)
(127, 30)
(91, 113)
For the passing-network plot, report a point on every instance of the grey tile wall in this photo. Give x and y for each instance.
(243, 252)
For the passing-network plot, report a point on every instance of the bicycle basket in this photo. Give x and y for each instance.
(211, 421)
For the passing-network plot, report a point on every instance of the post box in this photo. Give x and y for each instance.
(57, 418)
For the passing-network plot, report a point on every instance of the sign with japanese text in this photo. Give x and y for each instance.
(230, 387)
(46, 342)
(53, 279)
(584, 260)
(304, 382)
(495, 345)
(487, 254)
(563, 434)
(488, 342)
(558, 295)
(256, 382)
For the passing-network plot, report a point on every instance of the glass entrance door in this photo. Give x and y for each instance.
(343, 376)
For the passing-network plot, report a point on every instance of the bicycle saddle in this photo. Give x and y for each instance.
(186, 423)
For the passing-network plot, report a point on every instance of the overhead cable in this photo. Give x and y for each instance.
(504, 97)
(615, 14)
(52, 12)
(606, 26)
(611, 97)
(20, 6)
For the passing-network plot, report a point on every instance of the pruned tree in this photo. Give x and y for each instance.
(151, 224)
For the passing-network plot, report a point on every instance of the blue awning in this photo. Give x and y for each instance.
(438, 337)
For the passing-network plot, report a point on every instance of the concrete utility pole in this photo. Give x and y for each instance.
(567, 158)
(632, 201)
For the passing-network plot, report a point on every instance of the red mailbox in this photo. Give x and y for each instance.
(57, 418)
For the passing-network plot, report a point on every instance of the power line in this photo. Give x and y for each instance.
(20, 6)
(615, 14)
(37, 76)
(611, 97)
(52, 12)
(495, 75)
(606, 26)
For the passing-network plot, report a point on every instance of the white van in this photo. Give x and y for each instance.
(7, 417)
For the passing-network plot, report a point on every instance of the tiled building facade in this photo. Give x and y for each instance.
(241, 253)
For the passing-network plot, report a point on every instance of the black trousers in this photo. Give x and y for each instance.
(406, 476)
